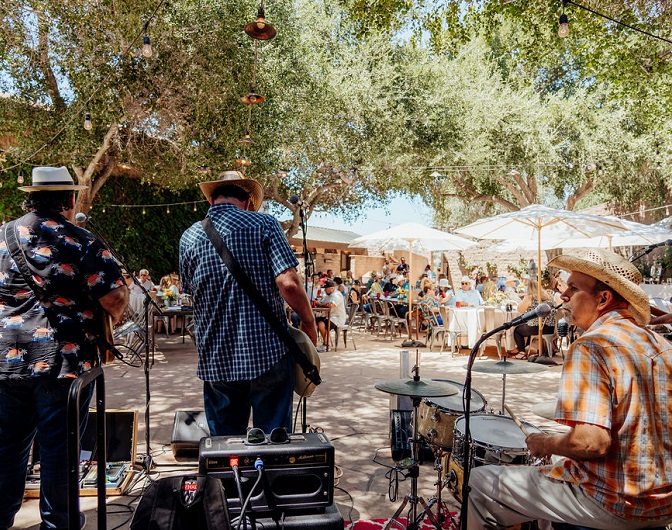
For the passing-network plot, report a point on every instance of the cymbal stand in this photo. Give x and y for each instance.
(414, 472)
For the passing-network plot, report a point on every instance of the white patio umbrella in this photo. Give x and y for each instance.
(545, 225)
(412, 237)
(637, 234)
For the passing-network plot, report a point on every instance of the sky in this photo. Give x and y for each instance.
(400, 210)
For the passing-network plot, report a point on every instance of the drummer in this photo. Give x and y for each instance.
(614, 396)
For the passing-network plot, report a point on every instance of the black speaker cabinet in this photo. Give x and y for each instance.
(327, 519)
(297, 475)
(188, 429)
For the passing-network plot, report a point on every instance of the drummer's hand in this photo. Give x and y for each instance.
(538, 444)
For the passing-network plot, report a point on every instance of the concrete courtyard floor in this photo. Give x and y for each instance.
(351, 412)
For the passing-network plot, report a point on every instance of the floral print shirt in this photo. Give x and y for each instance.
(57, 337)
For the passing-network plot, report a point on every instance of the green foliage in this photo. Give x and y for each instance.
(150, 240)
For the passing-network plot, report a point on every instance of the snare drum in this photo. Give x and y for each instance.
(436, 416)
(495, 440)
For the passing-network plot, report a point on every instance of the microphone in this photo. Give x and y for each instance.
(81, 217)
(666, 243)
(541, 311)
(294, 199)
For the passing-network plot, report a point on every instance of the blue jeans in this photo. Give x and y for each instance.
(30, 407)
(270, 397)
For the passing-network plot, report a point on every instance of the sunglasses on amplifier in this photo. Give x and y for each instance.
(256, 436)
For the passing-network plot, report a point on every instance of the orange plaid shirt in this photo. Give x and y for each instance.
(618, 375)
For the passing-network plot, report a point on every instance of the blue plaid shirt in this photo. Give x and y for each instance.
(234, 341)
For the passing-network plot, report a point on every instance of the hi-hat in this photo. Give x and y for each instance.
(419, 388)
(545, 410)
(507, 367)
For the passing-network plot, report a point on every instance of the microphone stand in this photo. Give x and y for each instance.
(308, 272)
(148, 464)
(466, 399)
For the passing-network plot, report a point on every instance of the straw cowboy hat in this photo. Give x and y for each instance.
(614, 271)
(235, 178)
(443, 282)
(47, 178)
(510, 279)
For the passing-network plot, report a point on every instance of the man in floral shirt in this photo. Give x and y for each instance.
(47, 340)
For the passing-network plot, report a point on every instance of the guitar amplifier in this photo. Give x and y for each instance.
(297, 475)
(189, 427)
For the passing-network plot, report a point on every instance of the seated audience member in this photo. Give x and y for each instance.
(510, 289)
(489, 288)
(445, 294)
(339, 285)
(429, 304)
(403, 267)
(145, 281)
(531, 327)
(376, 288)
(481, 283)
(467, 295)
(612, 469)
(334, 300)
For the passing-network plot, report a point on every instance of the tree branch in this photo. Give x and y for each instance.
(43, 62)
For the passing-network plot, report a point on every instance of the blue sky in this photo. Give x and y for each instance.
(400, 210)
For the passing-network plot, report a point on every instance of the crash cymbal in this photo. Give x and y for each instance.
(507, 367)
(419, 388)
(545, 410)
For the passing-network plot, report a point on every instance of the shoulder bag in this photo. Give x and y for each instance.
(106, 348)
(306, 375)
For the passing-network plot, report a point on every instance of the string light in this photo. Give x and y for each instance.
(146, 44)
(99, 86)
(144, 211)
(167, 209)
(87, 121)
(563, 17)
(19, 179)
(195, 209)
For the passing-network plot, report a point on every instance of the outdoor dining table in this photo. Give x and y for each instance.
(470, 321)
(182, 312)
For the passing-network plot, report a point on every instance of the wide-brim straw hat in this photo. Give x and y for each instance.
(616, 272)
(45, 178)
(443, 282)
(510, 279)
(235, 178)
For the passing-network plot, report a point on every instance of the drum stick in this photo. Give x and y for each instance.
(517, 421)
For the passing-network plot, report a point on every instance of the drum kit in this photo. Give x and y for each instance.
(439, 421)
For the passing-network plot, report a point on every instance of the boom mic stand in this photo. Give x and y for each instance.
(466, 399)
(308, 272)
(80, 217)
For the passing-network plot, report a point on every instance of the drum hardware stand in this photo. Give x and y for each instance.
(442, 511)
(414, 471)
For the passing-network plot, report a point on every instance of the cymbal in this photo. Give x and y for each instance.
(507, 367)
(420, 388)
(545, 410)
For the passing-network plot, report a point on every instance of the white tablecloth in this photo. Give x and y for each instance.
(658, 290)
(466, 321)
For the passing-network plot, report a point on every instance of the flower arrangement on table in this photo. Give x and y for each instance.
(497, 298)
(401, 293)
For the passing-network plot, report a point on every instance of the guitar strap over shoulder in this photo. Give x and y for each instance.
(309, 369)
(19, 258)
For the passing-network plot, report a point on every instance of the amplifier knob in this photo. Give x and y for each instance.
(292, 459)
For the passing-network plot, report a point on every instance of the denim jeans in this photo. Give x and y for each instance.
(30, 407)
(270, 397)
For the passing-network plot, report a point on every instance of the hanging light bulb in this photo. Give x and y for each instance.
(167, 209)
(282, 173)
(563, 29)
(1, 186)
(87, 121)
(146, 47)
(103, 209)
(19, 179)
(144, 211)
(252, 97)
(195, 209)
(243, 160)
(247, 140)
(260, 29)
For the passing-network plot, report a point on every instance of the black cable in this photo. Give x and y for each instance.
(352, 507)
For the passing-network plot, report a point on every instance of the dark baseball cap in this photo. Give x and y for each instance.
(329, 283)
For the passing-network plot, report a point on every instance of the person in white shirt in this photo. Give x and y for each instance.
(334, 300)
(467, 295)
(145, 281)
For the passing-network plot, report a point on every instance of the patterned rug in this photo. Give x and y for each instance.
(379, 524)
